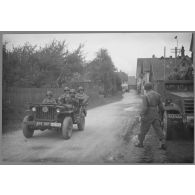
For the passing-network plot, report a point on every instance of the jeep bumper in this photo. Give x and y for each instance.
(43, 124)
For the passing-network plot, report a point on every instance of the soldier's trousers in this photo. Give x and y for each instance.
(145, 126)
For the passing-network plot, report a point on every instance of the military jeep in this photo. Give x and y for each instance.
(53, 116)
(179, 108)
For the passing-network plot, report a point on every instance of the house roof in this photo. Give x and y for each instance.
(131, 80)
(160, 67)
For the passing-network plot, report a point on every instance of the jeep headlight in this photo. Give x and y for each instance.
(168, 101)
(58, 110)
(33, 109)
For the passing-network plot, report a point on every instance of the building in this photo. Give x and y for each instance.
(131, 82)
(157, 70)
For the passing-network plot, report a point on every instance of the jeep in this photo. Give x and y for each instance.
(179, 108)
(53, 116)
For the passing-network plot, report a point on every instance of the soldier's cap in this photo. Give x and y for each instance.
(66, 89)
(80, 88)
(148, 86)
(49, 93)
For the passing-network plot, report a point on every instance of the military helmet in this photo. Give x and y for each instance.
(66, 89)
(80, 88)
(49, 93)
(148, 86)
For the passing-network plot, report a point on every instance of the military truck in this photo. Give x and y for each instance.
(53, 116)
(179, 108)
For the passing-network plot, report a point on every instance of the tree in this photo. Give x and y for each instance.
(123, 76)
(18, 64)
(102, 70)
(54, 66)
(30, 66)
(73, 67)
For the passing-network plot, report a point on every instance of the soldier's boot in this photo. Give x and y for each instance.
(162, 145)
(85, 112)
(140, 143)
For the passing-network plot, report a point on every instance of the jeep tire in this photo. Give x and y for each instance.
(81, 124)
(67, 127)
(167, 130)
(27, 132)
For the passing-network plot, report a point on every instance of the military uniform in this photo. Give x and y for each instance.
(82, 99)
(64, 99)
(151, 114)
(74, 101)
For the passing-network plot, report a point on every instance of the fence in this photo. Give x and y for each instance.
(21, 96)
(15, 100)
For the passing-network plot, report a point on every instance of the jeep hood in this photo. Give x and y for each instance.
(186, 94)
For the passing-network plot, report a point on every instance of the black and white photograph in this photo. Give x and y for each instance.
(95, 98)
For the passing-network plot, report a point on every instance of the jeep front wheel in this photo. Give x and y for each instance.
(27, 131)
(67, 127)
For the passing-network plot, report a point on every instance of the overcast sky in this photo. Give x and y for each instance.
(124, 48)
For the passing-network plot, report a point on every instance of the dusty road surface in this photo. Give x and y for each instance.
(104, 126)
(101, 142)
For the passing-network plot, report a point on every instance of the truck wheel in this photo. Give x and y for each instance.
(27, 132)
(67, 127)
(81, 124)
(167, 127)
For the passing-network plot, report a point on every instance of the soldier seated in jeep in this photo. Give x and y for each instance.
(82, 98)
(74, 100)
(65, 97)
(49, 98)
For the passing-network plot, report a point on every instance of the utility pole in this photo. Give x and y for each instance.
(164, 52)
(177, 41)
(164, 60)
(176, 50)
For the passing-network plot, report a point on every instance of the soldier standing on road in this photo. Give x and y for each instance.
(82, 98)
(49, 98)
(65, 97)
(151, 114)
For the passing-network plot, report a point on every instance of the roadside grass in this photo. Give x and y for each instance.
(11, 126)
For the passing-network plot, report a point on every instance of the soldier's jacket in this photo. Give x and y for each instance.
(152, 107)
(49, 101)
(64, 99)
(82, 97)
(74, 101)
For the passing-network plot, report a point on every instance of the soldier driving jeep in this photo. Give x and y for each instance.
(65, 97)
(49, 98)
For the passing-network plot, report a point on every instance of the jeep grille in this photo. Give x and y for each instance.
(189, 106)
(48, 116)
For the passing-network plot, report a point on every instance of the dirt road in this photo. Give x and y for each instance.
(101, 142)
(104, 126)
